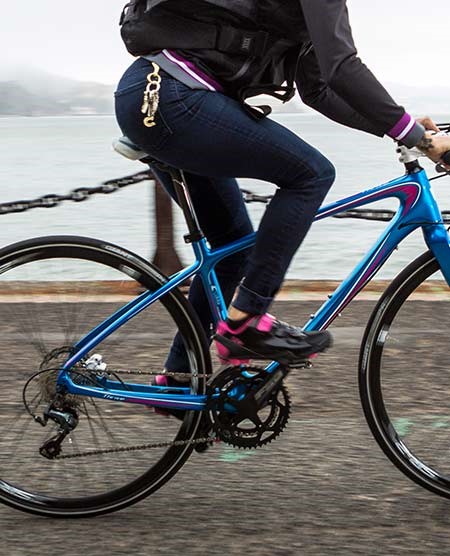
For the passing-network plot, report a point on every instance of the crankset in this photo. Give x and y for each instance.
(247, 406)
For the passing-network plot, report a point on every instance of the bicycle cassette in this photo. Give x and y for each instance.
(248, 407)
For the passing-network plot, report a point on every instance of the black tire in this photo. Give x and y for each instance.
(404, 375)
(40, 280)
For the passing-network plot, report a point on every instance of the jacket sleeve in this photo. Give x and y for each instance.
(315, 93)
(343, 73)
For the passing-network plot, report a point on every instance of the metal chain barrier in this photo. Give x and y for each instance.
(111, 186)
(77, 195)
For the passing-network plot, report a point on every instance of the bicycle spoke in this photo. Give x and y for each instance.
(405, 380)
(47, 305)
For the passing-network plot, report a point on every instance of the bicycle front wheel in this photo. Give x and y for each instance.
(405, 374)
(53, 291)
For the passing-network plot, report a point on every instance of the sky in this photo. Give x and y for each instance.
(406, 42)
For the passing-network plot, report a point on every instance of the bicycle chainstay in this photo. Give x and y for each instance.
(205, 439)
(174, 443)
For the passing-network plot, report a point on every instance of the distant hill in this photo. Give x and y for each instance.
(33, 92)
(43, 94)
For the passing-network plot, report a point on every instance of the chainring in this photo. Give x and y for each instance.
(236, 415)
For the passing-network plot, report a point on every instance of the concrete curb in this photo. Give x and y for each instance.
(320, 289)
(292, 290)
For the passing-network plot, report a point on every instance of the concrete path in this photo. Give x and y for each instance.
(323, 488)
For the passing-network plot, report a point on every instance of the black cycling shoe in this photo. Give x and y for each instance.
(264, 337)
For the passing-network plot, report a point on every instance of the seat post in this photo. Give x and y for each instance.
(185, 202)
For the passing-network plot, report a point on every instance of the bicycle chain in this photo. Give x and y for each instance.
(157, 373)
(173, 443)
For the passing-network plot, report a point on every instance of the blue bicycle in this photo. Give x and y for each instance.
(87, 325)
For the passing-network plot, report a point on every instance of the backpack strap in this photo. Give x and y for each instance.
(261, 111)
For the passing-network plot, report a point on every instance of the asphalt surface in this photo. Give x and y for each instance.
(323, 488)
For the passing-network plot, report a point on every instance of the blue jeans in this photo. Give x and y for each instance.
(212, 138)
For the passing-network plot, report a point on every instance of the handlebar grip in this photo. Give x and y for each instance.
(446, 158)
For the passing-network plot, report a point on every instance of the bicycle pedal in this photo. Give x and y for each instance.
(307, 364)
(202, 447)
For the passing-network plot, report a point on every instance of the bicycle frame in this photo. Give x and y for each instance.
(417, 209)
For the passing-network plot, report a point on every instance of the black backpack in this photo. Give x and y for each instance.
(147, 26)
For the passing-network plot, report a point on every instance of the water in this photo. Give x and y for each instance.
(54, 155)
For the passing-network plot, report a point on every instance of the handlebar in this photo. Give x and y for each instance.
(409, 157)
(446, 158)
(446, 129)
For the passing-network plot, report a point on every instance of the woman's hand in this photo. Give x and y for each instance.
(435, 146)
(428, 124)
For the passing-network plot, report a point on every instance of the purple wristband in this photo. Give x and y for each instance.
(407, 130)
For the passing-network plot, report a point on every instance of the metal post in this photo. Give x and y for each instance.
(165, 256)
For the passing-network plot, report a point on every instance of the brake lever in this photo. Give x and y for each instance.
(444, 127)
(441, 169)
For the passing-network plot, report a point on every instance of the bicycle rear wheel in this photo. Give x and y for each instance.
(52, 292)
(405, 375)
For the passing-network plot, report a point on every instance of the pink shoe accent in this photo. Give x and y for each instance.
(222, 351)
(161, 380)
(223, 327)
(224, 354)
(265, 323)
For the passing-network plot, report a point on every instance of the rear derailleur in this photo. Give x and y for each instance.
(60, 406)
(66, 418)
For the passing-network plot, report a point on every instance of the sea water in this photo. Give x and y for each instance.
(46, 155)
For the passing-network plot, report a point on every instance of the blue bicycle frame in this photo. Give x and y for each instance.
(417, 208)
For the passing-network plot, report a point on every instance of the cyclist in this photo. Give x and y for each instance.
(204, 126)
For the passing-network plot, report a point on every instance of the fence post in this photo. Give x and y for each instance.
(165, 256)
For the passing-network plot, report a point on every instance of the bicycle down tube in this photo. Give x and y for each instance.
(417, 208)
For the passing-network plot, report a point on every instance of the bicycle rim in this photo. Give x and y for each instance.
(405, 374)
(52, 292)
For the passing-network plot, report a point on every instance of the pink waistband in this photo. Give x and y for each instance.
(192, 70)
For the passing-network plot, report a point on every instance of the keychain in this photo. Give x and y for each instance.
(151, 96)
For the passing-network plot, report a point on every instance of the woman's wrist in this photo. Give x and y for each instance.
(426, 144)
(434, 146)
(407, 130)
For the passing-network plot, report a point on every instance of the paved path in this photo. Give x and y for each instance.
(323, 488)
